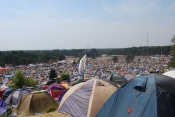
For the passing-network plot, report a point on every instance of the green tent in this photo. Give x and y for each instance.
(36, 102)
(117, 79)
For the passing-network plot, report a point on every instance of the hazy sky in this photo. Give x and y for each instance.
(80, 24)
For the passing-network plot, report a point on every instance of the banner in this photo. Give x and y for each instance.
(82, 64)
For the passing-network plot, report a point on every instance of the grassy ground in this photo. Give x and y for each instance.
(51, 114)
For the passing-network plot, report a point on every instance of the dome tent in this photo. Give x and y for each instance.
(3, 106)
(15, 97)
(36, 102)
(129, 76)
(6, 93)
(118, 80)
(56, 90)
(145, 96)
(86, 98)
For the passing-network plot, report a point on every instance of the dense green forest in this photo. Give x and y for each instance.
(39, 56)
(27, 57)
(152, 50)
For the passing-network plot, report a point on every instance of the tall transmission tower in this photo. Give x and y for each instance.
(147, 47)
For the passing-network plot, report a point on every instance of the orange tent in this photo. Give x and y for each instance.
(3, 69)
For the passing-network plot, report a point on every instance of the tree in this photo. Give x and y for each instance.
(129, 58)
(74, 62)
(20, 81)
(172, 52)
(52, 74)
(115, 59)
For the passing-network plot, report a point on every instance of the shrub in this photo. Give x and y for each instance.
(65, 77)
(51, 109)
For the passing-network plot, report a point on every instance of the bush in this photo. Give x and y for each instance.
(20, 81)
(51, 109)
(30, 82)
(65, 77)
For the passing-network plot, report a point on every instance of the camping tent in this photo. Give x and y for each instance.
(15, 97)
(30, 89)
(145, 96)
(56, 90)
(3, 107)
(4, 69)
(129, 76)
(36, 102)
(86, 98)
(117, 79)
(170, 73)
(7, 92)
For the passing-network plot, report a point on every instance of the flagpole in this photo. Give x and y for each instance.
(83, 76)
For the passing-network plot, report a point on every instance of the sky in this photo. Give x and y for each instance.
(82, 24)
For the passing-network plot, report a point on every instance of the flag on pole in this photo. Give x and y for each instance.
(82, 64)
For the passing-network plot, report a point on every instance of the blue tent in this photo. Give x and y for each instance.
(7, 92)
(150, 95)
(3, 107)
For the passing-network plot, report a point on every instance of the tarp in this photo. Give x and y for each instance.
(145, 96)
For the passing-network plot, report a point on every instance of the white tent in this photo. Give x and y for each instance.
(170, 73)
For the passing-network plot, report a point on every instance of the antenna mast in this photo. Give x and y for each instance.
(147, 46)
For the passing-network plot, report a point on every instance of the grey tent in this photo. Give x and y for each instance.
(117, 79)
(15, 97)
(129, 76)
(86, 98)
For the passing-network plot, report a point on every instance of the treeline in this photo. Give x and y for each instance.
(42, 56)
(152, 50)
(28, 57)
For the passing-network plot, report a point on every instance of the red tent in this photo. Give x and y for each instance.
(56, 90)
